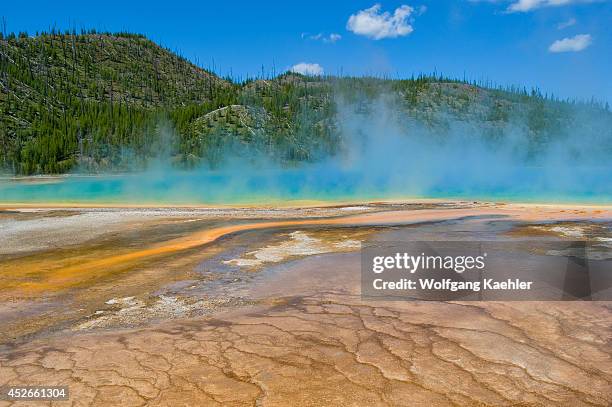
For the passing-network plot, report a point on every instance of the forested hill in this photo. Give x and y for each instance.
(94, 102)
(63, 94)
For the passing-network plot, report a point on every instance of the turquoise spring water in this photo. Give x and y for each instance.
(184, 188)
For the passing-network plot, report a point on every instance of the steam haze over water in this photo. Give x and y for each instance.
(384, 155)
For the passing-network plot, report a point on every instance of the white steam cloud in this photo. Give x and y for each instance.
(385, 153)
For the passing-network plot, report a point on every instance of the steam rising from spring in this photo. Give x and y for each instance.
(384, 153)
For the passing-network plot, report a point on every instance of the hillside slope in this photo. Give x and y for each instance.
(65, 93)
(98, 102)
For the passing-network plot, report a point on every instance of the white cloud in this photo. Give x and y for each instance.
(565, 24)
(306, 68)
(529, 5)
(377, 25)
(331, 38)
(573, 44)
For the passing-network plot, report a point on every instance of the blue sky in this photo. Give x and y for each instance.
(561, 46)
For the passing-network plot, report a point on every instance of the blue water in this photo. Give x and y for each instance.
(183, 188)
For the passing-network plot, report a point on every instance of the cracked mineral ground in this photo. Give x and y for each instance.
(262, 307)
